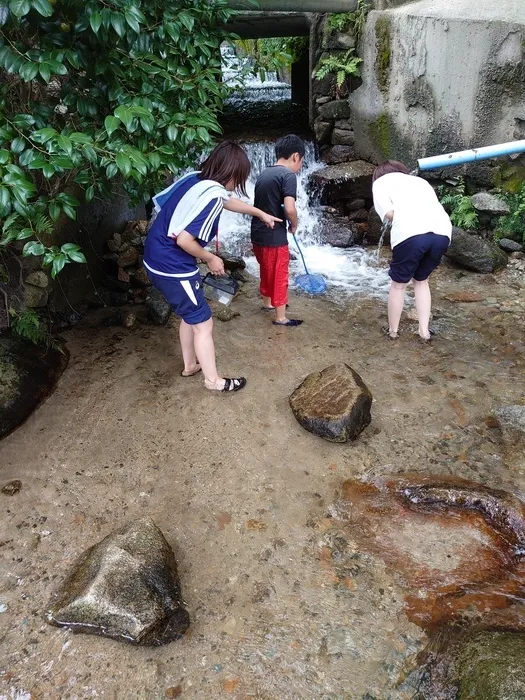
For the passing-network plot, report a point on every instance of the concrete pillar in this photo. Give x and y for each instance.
(260, 25)
(296, 5)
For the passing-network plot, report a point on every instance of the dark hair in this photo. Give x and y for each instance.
(288, 145)
(228, 162)
(389, 166)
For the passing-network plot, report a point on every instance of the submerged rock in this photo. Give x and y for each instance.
(489, 665)
(511, 420)
(474, 253)
(126, 588)
(333, 404)
(338, 233)
(159, 310)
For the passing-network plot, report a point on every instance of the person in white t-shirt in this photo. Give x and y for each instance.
(420, 236)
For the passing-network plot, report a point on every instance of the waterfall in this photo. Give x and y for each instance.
(348, 271)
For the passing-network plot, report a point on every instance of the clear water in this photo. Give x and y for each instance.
(348, 271)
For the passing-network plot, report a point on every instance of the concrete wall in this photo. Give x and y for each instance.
(441, 75)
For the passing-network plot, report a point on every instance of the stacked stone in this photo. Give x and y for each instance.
(126, 251)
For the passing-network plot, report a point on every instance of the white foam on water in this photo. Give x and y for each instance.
(348, 271)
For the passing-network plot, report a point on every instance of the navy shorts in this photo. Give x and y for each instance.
(185, 296)
(417, 257)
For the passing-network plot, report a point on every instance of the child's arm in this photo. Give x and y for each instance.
(290, 209)
(188, 243)
(239, 207)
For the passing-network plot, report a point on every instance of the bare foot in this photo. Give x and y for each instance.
(191, 372)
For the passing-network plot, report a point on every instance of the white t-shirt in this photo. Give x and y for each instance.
(416, 208)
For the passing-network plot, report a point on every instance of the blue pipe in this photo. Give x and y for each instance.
(474, 154)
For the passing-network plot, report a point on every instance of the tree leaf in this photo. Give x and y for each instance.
(45, 71)
(28, 71)
(123, 163)
(5, 197)
(118, 23)
(18, 145)
(65, 144)
(95, 20)
(43, 7)
(54, 210)
(33, 248)
(19, 8)
(111, 124)
(132, 20)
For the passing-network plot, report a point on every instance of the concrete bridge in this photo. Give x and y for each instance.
(295, 5)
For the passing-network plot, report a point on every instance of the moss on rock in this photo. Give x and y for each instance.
(9, 379)
(383, 52)
(380, 132)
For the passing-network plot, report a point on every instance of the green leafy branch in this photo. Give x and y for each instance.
(459, 206)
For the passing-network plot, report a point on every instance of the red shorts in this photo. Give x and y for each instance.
(274, 264)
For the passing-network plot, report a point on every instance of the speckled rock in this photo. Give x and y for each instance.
(475, 253)
(511, 420)
(345, 181)
(126, 588)
(510, 246)
(333, 404)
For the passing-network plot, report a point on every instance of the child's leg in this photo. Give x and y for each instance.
(423, 306)
(205, 351)
(188, 347)
(396, 301)
(265, 284)
(281, 265)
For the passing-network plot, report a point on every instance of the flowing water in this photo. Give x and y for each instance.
(348, 271)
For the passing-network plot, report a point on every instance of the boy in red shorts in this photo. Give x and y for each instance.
(276, 193)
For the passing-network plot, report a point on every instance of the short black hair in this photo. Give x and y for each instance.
(288, 145)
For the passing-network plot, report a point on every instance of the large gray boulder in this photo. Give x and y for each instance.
(490, 204)
(333, 404)
(125, 587)
(475, 253)
(337, 109)
(339, 233)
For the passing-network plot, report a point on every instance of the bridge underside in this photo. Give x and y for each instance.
(296, 5)
(261, 25)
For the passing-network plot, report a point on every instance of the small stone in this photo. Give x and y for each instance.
(508, 245)
(256, 525)
(343, 138)
(463, 297)
(141, 278)
(173, 692)
(490, 204)
(159, 310)
(226, 314)
(123, 276)
(337, 233)
(517, 256)
(129, 320)
(359, 215)
(232, 262)
(334, 404)
(126, 588)
(35, 297)
(322, 130)
(323, 100)
(128, 258)
(356, 204)
(337, 109)
(338, 154)
(511, 420)
(12, 487)
(38, 279)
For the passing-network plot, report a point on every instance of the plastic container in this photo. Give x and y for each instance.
(221, 289)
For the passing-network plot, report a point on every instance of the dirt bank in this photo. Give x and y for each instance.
(242, 492)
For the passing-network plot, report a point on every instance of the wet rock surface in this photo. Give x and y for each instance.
(474, 253)
(345, 181)
(489, 203)
(126, 588)
(511, 420)
(337, 232)
(28, 375)
(510, 246)
(333, 404)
